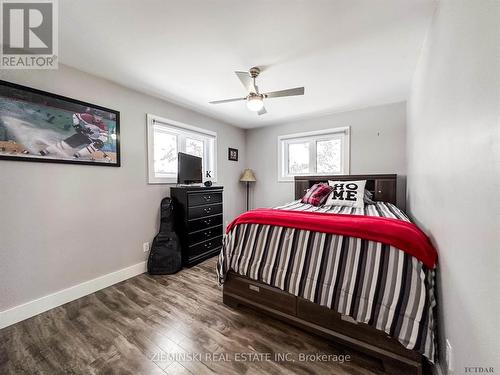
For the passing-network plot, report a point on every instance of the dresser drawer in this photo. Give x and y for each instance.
(203, 223)
(205, 246)
(204, 235)
(260, 293)
(197, 199)
(201, 211)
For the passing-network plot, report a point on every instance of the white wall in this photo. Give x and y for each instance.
(61, 224)
(378, 141)
(454, 173)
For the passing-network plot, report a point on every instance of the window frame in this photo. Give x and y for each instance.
(181, 131)
(312, 138)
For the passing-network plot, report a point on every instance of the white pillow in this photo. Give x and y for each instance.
(347, 193)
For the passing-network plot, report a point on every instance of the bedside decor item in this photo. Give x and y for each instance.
(248, 176)
(44, 127)
(165, 255)
(232, 154)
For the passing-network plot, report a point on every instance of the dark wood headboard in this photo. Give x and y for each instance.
(383, 186)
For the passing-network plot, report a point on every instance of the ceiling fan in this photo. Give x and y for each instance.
(255, 100)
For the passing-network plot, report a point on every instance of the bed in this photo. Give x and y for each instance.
(365, 294)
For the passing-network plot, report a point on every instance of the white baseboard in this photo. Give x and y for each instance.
(37, 306)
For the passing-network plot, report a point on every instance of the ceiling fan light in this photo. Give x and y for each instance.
(255, 103)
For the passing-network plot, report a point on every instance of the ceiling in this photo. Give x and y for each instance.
(347, 53)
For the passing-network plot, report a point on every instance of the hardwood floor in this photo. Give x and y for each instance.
(153, 324)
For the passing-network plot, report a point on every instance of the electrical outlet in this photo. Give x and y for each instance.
(449, 356)
(145, 247)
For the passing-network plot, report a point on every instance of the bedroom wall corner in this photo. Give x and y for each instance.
(62, 225)
(453, 145)
(378, 145)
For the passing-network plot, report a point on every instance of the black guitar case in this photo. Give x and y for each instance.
(165, 255)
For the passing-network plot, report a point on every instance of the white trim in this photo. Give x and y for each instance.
(342, 129)
(346, 154)
(150, 121)
(151, 118)
(38, 306)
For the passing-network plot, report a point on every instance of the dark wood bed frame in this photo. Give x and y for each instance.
(320, 320)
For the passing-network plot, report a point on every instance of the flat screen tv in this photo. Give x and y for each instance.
(189, 169)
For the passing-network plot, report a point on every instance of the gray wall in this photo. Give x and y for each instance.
(378, 141)
(454, 173)
(61, 225)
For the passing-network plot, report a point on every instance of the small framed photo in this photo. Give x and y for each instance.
(232, 154)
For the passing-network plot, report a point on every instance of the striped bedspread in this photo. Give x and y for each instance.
(371, 282)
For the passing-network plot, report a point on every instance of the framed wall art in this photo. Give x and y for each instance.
(44, 127)
(232, 154)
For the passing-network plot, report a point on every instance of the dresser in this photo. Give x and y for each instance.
(198, 221)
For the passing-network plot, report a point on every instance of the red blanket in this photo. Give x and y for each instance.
(398, 233)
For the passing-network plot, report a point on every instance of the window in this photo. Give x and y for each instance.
(298, 158)
(323, 152)
(166, 138)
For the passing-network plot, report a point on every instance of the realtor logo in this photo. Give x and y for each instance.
(29, 34)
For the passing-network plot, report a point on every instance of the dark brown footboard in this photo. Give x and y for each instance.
(322, 321)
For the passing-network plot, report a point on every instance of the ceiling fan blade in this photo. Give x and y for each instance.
(246, 81)
(227, 100)
(287, 92)
(262, 111)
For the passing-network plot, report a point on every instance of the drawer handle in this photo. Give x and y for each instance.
(208, 234)
(380, 191)
(207, 245)
(254, 288)
(208, 209)
(207, 197)
(208, 221)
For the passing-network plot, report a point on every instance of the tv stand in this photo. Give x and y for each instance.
(198, 221)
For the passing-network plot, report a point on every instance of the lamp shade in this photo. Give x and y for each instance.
(255, 103)
(247, 176)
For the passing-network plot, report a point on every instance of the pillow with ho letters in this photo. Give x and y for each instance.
(347, 193)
